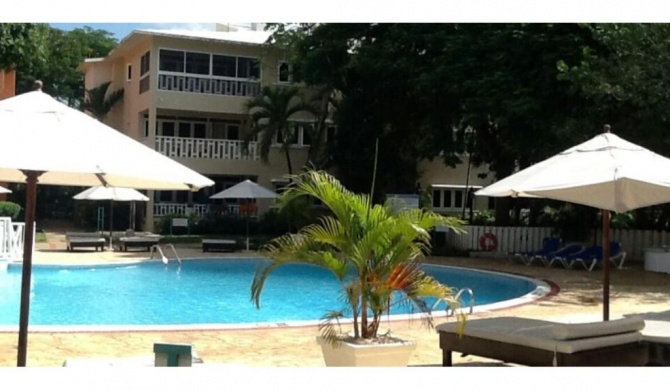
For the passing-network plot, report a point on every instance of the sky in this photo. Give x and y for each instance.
(121, 16)
(121, 30)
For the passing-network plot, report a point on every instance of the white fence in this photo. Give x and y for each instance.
(12, 236)
(521, 239)
(509, 239)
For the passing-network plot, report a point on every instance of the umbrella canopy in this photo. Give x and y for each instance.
(42, 134)
(3, 190)
(111, 193)
(45, 140)
(245, 190)
(606, 172)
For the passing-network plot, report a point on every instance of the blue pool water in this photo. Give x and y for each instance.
(202, 292)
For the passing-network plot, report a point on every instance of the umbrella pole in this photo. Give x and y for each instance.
(111, 217)
(247, 231)
(606, 265)
(31, 198)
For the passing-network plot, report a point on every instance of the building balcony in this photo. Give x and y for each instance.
(206, 148)
(208, 85)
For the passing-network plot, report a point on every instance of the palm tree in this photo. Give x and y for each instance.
(98, 103)
(270, 115)
(374, 253)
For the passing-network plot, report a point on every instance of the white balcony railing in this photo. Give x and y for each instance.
(208, 85)
(205, 148)
(162, 209)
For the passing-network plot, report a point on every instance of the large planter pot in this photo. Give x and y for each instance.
(390, 354)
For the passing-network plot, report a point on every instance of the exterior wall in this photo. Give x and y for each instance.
(128, 116)
(436, 173)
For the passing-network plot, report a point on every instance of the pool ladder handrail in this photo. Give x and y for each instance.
(457, 298)
(165, 258)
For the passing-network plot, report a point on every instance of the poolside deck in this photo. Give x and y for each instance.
(632, 291)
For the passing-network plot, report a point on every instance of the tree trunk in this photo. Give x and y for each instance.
(288, 160)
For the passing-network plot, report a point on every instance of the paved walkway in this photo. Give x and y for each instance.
(632, 291)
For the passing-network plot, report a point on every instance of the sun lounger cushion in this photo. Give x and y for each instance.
(596, 329)
(536, 334)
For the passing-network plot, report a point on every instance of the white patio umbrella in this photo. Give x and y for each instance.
(118, 194)
(605, 172)
(45, 140)
(4, 190)
(246, 190)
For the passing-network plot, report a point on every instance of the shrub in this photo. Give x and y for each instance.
(9, 209)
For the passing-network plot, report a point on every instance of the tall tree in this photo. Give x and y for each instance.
(270, 115)
(99, 103)
(22, 44)
(65, 51)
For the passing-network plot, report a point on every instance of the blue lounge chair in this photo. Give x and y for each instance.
(549, 245)
(617, 256)
(561, 255)
(582, 256)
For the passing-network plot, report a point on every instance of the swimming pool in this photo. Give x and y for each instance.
(205, 292)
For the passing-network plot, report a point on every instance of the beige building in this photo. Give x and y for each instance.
(184, 96)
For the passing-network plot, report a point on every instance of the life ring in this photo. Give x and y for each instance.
(488, 242)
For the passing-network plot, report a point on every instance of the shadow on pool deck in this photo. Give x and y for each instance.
(632, 291)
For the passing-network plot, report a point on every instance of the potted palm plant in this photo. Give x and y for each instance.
(374, 253)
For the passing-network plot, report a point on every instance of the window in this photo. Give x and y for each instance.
(171, 61)
(199, 130)
(224, 130)
(307, 134)
(197, 63)
(284, 73)
(453, 198)
(182, 196)
(144, 63)
(168, 129)
(233, 132)
(458, 202)
(225, 66)
(248, 68)
(146, 127)
(447, 199)
(129, 72)
(165, 196)
(437, 197)
(184, 129)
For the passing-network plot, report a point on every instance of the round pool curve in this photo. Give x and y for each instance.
(207, 292)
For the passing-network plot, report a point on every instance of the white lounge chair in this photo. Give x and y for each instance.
(543, 343)
(84, 240)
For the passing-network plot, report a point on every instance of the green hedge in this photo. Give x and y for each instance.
(9, 209)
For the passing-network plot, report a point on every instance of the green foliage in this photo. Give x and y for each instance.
(623, 220)
(9, 209)
(99, 103)
(23, 44)
(484, 218)
(374, 253)
(63, 52)
(270, 113)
